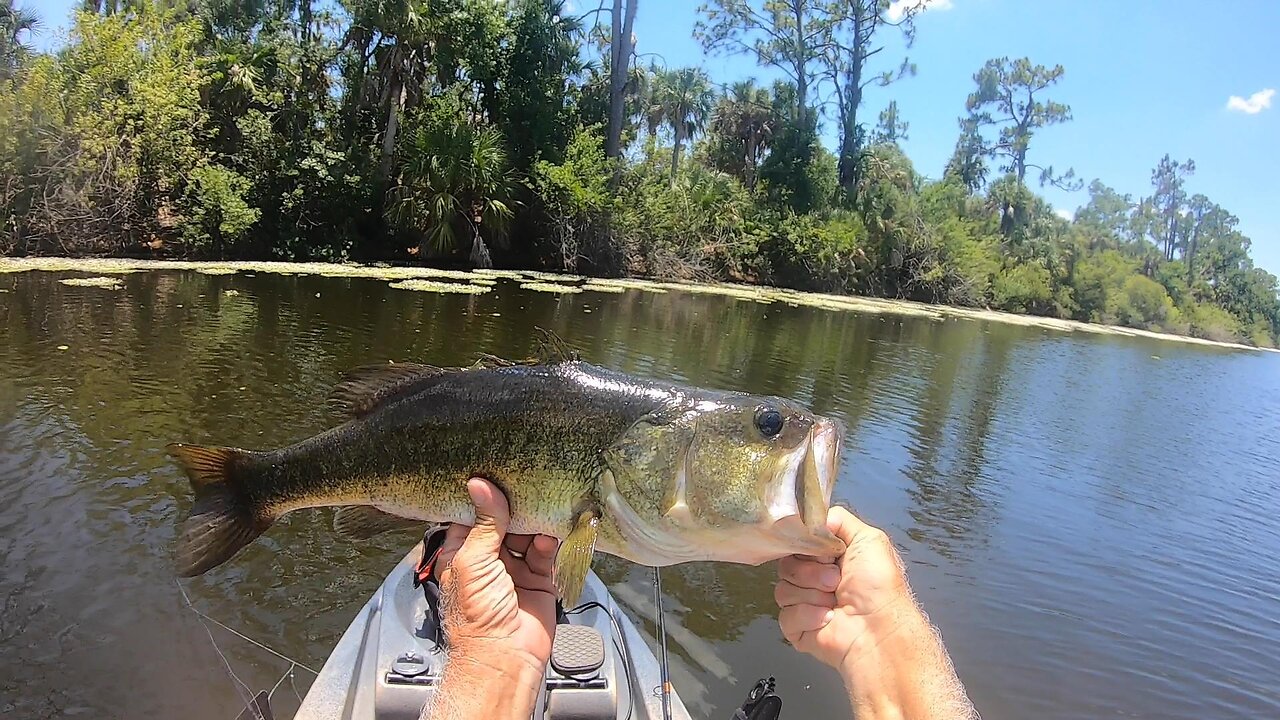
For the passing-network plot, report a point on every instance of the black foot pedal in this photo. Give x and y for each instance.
(577, 651)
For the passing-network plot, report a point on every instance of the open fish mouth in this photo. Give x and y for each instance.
(814, 487)
(801, 492)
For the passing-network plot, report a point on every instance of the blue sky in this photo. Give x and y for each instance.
(1143, 78)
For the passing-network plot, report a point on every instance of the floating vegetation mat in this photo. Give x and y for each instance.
(741, 292)
(96, 265)
(510, 274)
(552, 277)
(481, 281)
(108, 283)
(852, 303)
(601, 287)
(551, 287)
(628, 284)
(440, 287)
(228, 267)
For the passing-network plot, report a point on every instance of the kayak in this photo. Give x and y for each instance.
(388, 661)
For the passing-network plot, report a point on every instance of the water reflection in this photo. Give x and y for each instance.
(1096, 515)
(953, 418)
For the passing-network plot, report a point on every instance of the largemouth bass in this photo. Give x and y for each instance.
(651, 472)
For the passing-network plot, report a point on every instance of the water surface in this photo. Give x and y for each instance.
(1090, 520)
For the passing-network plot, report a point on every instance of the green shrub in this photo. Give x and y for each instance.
(216, 214)
(971, 260)
(1259, 335)
(809, 253)
(1096, 279)
(1023, 288)
(1141, 303)
(1212, 323)
(577, 204)
(799, 174)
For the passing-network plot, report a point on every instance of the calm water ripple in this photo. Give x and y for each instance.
(1091, 521)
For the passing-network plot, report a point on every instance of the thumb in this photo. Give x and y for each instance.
(493, 514)
(845, 525)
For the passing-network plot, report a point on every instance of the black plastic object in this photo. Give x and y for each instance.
(258, 709)
(427, 577)
(761, 703)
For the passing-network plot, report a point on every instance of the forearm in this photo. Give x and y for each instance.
(488, 686)
(901, 670)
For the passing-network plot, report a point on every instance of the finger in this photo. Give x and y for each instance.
(845, 525)
(809, 573)
(796, 620)
(518, 544)
(541, 555)
(492, 517)
(524, 577)
(786, 595)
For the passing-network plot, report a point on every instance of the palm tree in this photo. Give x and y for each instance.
(455, 177)
(745, 119)
(14, 23)
(647, 98)
(686, 98)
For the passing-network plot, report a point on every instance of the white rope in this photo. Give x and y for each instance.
(242, 688)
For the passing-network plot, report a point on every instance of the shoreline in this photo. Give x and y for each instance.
(756, 293)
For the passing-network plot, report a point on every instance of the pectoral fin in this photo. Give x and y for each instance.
(362, 522)
(574, 559)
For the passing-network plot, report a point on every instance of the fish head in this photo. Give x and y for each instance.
(733, 477)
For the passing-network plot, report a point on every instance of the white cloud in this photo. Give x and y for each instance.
(1065, 214)
(898, 8)
(1255, 103)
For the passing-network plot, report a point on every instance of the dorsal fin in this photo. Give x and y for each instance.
(367, 388)
(551, 349)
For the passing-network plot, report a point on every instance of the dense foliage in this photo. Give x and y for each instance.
(514, 133)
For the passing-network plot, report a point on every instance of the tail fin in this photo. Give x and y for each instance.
(223, 519)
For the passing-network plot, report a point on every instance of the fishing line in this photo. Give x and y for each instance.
(241, 687)
(241, 635)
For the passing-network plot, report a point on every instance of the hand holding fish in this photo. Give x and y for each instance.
(857, 614)
(499, 609)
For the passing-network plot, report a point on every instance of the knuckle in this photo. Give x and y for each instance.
(878, 536)
(782, 593)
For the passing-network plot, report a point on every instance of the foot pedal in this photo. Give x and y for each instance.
(577, 651)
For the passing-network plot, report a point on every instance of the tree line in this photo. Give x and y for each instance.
(523, 133)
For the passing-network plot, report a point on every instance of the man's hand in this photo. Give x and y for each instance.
(499, 609)
(857, 614)
(830, 606)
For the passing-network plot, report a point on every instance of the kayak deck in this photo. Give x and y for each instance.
(386, 664)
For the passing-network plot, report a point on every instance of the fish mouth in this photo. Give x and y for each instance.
(801, 493)
(820, 467)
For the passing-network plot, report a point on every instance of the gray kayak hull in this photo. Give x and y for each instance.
(384, 666)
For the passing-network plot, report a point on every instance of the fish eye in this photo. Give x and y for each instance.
(768, 421)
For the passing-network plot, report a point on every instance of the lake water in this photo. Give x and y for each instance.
(1092, 521)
